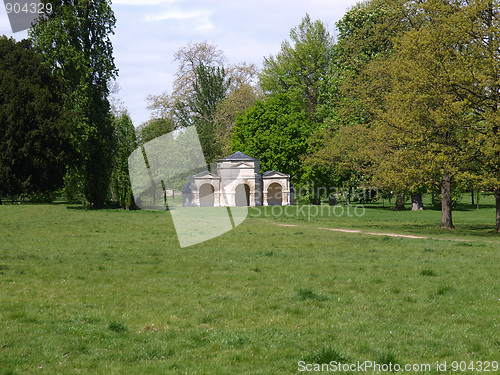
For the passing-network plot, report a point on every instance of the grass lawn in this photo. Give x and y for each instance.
(111, 292)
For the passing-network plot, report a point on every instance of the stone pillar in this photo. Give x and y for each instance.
(284, 196)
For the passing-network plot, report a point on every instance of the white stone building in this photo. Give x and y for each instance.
(238, 182)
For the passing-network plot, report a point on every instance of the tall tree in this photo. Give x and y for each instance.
(447, 73)
(475, 79)
(425, 126)
(189, 58)
(125, 139)
(34, 131)
(301, 67)
(366, 31)
(209, 89)
(75, 39)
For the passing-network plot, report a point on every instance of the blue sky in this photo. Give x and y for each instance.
(149, 32)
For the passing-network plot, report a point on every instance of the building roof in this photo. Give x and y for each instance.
(275, 174)
(238, 156)
(205, 174)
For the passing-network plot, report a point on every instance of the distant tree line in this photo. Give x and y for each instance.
(411, 101)
(405, 98)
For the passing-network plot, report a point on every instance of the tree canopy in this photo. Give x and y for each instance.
(300, 68)
(276, 131)
(34, 133)
(75, 39)
(208, 93)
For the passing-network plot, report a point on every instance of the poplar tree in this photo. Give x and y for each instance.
(75, 39)
(125, 143)
(209, 89)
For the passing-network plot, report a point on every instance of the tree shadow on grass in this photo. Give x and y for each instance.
(78, 207)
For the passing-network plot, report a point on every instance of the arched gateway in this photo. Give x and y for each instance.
(238, 182)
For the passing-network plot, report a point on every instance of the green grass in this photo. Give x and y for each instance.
(470, 223)
(111, 292)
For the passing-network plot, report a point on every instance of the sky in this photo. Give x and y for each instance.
(149, 32)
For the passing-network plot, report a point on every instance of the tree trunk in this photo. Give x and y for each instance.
(446, 212)
(472, 194)
(416, 202)
(400, 202)
(497, 204)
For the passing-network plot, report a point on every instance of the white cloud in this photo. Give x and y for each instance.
(200, 17)
(148, 36)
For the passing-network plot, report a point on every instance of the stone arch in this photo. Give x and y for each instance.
(274, 194)
(207, 196)
(242, 195)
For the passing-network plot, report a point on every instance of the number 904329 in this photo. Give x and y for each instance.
(32, 8)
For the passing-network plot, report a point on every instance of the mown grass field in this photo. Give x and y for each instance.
(111, 292)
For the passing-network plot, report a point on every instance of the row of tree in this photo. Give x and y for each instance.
(417, 95)
(406, 99)
(270, 114)
(57, 128)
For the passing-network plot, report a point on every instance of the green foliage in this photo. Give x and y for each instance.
(275, 131)
(46, 197)
(152, 129)
(73, 190)
(425, 127)
(125, 143)
(235, 103)
(299, 69)
(473, 65)
(209, 89)
(366, 31)
(337, 146)
(404, 105)
(34, 130)
(75, 40)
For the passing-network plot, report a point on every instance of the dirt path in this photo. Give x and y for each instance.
(357, 231)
